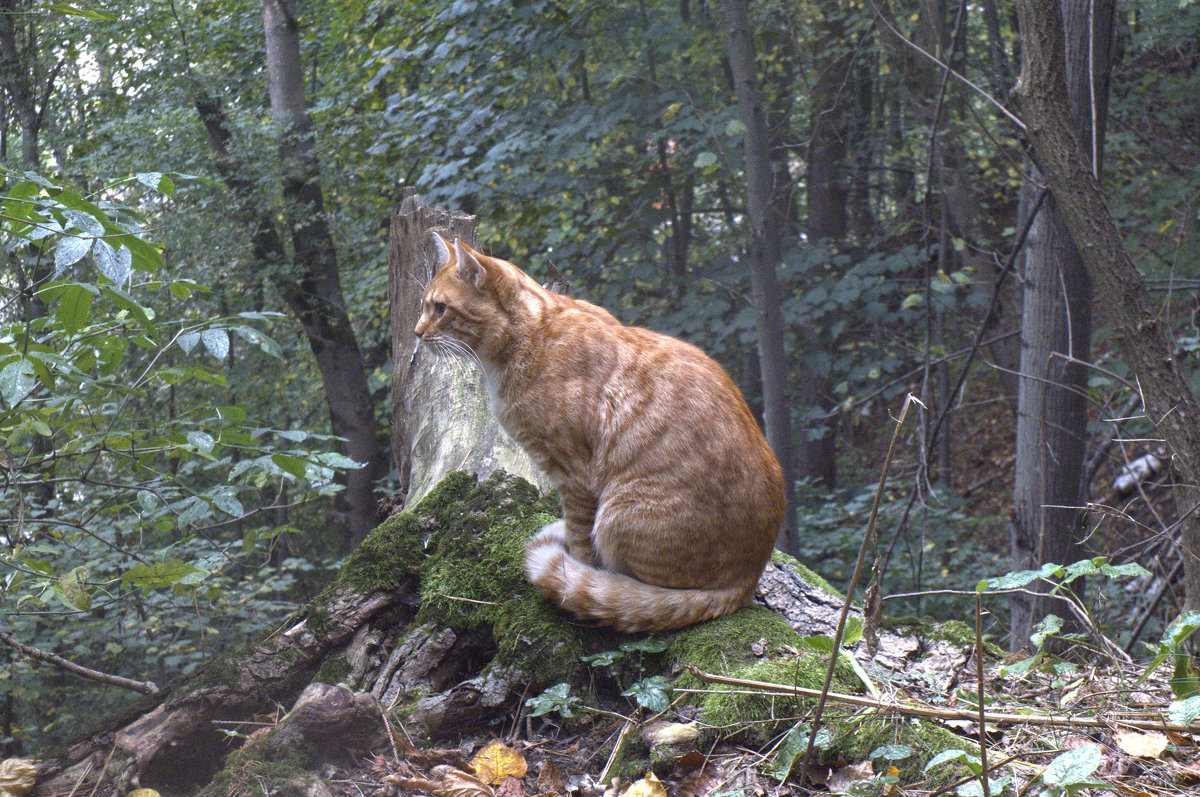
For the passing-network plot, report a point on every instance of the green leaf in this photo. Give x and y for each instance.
(16, 380)
(1184, 712)
(947, 756)
(735, 127)
(73, 584)
(159, 575)
(86, 13)
(793, 746)
(891, 752)
(75, 307)
(187, 341)
(70, 250)
(216, 341)
(1074, 766)
(116, 264)
(651, 693)
(228, 503)
(201, 441)
(290, 464)
(705, 160)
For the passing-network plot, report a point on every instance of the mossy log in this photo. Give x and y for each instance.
(432, 622)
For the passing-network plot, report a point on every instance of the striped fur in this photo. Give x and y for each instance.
(671, 497)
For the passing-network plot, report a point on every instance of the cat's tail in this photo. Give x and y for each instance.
(616, 600)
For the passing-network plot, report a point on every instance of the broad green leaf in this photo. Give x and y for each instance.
(290, 464)
(217, 342)
(201, 441)
(158, 575)
(111, 262)
(651, 693)
(86, 222)
(74, 587)
(70, 250)
(705, 159)
(16, 380)
(891, 752)
(947, 756)
(228, 503)
(74, 309)
(1074, 766)
(187, 341)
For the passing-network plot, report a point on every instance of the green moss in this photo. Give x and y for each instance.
(334, 669)
(858, 739)
(757, 718)
(727, 644)
(780, 558)
(246, 776)
(464, 544)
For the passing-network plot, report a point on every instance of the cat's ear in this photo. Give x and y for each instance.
(441, 248)
(469, 268)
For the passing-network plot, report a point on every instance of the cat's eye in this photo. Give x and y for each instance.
(438, 308)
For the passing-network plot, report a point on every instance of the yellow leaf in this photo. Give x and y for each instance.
(1142, 745)
(17, 776)
(648, 786)
(143, 793)
(496, 761)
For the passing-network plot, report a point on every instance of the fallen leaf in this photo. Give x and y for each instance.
(702, 782)
(662, 732)
(550, 779)
(1141, 745)
(456, 783)
(1190, 773)
(142, 793)
(496, 761)
(649, 786)
(841, 780)
(17, 776)
(511, 787)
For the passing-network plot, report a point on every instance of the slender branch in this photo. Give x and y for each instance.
(887, 23)
(145, 687)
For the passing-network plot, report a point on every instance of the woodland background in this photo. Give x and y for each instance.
(193, 324)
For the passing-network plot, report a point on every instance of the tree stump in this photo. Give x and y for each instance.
(440, 416)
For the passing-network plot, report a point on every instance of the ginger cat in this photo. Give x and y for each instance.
(671, 497)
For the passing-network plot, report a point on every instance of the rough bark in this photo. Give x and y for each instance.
(314, 290)
(441, 421)
(766, 220)
(1063, 161)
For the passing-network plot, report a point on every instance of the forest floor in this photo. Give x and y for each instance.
(1102, 742)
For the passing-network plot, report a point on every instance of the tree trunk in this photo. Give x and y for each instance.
(766, 222)
(314, 291)
(1064, 162)
(440, 416)
(833, 100)
(1056, 334)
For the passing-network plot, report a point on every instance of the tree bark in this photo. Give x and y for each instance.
(767, 223)
(1063, 161)
(312, 289)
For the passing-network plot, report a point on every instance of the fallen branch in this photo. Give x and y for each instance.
(929, 712)
(145, 687)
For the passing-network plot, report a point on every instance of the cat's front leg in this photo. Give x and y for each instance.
(579, 513)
